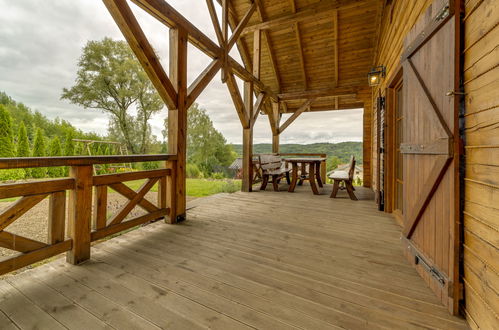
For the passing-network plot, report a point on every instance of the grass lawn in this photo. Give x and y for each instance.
(200, 187)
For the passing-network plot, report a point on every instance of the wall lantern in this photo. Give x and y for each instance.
(375, 75)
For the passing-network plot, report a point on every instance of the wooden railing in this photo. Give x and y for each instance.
(83, 225)
(323, 163)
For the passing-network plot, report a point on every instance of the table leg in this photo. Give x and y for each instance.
(303, 173)
(311, 178)
(294, 178)
(318, 174)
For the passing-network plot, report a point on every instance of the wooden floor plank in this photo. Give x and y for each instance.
(6, 323)
(166, 310)
(60, 308)
(98, 305)
(265, 260)
(22, 311)
(298, 289)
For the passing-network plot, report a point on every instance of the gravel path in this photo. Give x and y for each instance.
(34, 223)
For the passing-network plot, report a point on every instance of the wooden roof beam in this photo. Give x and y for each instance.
(336, 53)
(257, 107)
(301, 57)
(338, 91)
(214, 20)
(317, 11)
(239, 28)
(127, 23)
(298, 112)
(198, 85)
(167, 15)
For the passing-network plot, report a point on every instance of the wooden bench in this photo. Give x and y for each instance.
(273, 167)
(347, 178)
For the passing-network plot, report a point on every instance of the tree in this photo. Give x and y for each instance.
(69, 145)
(23, 149)
(6, 133)
(55, 150)
(39, 151)
(110, 79)
(206, 147)
(332, 163)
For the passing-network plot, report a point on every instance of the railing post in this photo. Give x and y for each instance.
(80, 214)
(163, 193)
(171, 191)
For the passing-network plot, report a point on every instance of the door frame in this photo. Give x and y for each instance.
(390, 148)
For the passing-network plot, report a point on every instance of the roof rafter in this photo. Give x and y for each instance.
(301, 57)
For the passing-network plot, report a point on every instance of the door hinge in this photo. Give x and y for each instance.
(444, 12)
(434, 272)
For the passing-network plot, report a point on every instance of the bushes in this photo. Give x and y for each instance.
(193, 171)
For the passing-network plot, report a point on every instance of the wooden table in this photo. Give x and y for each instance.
(314, 172)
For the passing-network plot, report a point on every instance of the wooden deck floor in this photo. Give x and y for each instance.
(260, 260)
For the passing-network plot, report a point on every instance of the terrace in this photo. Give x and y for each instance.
(295, 261)
(276, 259)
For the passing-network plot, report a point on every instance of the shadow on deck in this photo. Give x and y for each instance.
(244, 260)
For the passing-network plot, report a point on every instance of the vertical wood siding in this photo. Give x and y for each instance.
(481, 212)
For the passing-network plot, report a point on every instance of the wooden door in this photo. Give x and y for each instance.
(430, 150)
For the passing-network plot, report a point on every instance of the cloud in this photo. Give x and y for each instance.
(41, 41)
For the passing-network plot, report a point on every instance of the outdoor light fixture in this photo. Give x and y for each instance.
(375, 75)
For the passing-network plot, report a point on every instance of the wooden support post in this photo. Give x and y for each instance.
(275, 131)
(80, 214)
(323, 169)
(100, 207)
(57, 217)
(248, 139)
(177, 125)
(225, 33)
(275, 143)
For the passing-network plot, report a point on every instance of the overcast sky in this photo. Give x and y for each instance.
(41, 41)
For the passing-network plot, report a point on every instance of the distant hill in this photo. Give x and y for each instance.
(342, 150)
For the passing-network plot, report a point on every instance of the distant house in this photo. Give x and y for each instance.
(237, 167)
(359, 171)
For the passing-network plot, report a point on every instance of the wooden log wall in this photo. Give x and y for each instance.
(398, 19)
(481, 183)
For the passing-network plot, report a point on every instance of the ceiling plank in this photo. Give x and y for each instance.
(319, 10)
(315, 93)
